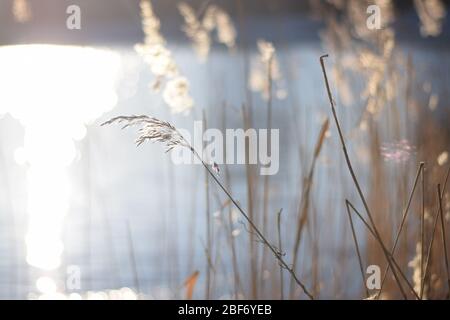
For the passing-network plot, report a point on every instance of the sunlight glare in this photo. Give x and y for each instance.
(53, 91)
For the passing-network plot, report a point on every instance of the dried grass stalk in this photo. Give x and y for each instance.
(155, 130)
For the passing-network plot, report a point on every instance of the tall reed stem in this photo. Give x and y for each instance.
(262, 238)
(208, 247)
(230, 218)
(355, 240)
(250, 208)
(266, 177)
(422, 230)
(444, 240)
(280, 247)
(305, 198)
(355, 180)
(430, 247)
(405, 214)
(366, 224)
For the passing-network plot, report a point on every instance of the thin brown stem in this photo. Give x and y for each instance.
(280, 247)
(430, 247)
(266, 177)
(208, 247)
(250, 208)
(444, 241)
(305, 198)
(422, 230)
(402, 223)
(355, 180)
(261, 237)
(355, 239)
(230, 220)
(366, 224)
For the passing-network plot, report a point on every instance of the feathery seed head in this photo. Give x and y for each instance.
(152, 129)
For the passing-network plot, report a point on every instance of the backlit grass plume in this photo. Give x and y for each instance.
(152, 129)
(155, 130)
(159, 58)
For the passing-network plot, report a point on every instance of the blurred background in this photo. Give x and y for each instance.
(86, 214)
